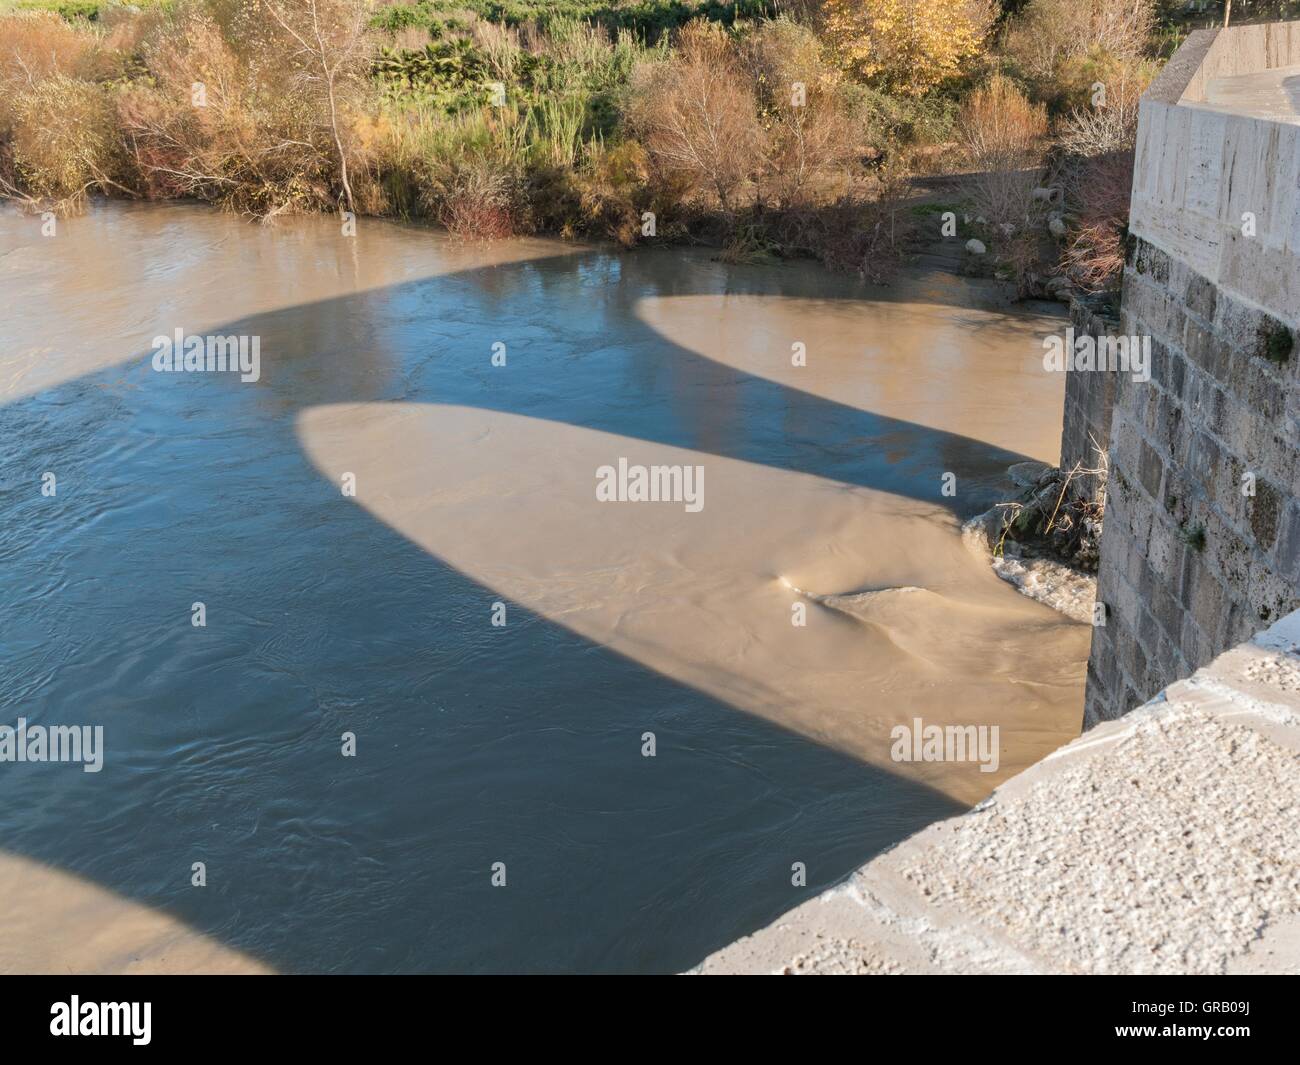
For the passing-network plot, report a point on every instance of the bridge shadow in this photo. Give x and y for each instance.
(521, 745)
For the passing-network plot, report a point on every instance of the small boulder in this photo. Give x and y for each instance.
(1025, 474)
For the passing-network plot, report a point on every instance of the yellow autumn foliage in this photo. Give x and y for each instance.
(908, 46)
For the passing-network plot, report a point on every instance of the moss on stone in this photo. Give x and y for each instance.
(1193, 536)
(1276, 341)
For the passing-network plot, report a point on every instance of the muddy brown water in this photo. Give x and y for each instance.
(372, 613)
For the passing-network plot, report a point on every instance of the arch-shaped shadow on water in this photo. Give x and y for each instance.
(519, 745)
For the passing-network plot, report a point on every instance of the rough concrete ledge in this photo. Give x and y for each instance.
(1171, 84)
(1201, 169)
(1164, 842)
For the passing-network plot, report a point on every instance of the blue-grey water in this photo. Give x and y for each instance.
(475, 744)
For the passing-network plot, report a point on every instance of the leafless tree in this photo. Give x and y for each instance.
(328, 44)
(698, 116)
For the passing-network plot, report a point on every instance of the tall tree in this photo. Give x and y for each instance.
(908, 46)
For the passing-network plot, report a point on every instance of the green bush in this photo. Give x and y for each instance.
(648, 20)
(893, 121)
(69, 9)
(88, 10)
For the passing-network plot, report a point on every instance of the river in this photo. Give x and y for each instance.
(585, 735)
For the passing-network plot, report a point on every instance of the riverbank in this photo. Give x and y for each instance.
(767, 133)
(1160, 843)
(676, 134)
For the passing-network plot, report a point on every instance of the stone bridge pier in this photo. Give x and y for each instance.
(1201, 545)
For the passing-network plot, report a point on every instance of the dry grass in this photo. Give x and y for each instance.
(38, 44)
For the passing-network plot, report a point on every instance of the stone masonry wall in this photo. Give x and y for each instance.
(1202, 531)
(1191, 562)
(1089, 398)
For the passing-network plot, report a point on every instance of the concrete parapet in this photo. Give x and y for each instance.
(1054, 873)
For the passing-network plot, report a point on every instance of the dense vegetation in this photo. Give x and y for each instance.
(769, 127)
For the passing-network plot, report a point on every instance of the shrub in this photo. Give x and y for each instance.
(57, 138)
(258, 144)
(898, 123)
(697, 115)
(276, 84)
(1095, 145)
(325, 50)
(1081, 79)
(811, 143)
(1109, 124)
(856, 234)
(449, 73)
(69, 10)
(620, 186)
(317, 104)
(63, 139)
(473, 172)
(36, 44)
(479, 201)
(1094, 256)
(1003, 135)
(1051, 40)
